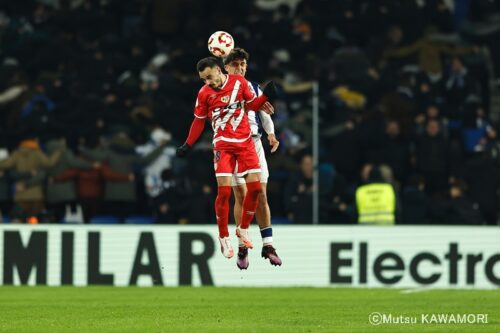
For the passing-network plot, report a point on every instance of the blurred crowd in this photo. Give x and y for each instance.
(96, 94)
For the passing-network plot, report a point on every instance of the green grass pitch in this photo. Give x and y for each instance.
(209, 309)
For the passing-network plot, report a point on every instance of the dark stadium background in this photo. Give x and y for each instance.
(105, 73)
(402, 95)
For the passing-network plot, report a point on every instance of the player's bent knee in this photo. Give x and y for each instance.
(223, 194)
(254, 189)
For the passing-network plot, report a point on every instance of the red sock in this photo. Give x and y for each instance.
(222, 209)
(250, 204)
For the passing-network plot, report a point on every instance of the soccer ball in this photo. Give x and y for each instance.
(220, 44)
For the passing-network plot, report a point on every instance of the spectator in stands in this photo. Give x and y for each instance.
(170, 202)
(30, 163)
(415, 202)
(458, 85)
(482, 176)
(460, 209)
(431, 158)
(299, 191)
(120, 196)
(378, 45)
(153, 182)
(61, 194)
(376, 201)
(340, 209)
(90, 186)
(5, 191)
(395, 151)
(432, 112)
(477, 130)
(401, 105)
(429, 53)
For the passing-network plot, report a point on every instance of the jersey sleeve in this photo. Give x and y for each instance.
(201, 106)
(248, 93)
(257, 88)
(267, 122)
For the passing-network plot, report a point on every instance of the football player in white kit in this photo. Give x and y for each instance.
(236, 63)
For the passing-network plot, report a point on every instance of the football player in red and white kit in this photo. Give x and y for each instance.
(224, 100)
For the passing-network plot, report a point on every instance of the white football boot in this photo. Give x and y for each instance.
(226, 248)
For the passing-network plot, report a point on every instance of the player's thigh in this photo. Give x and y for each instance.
(223, 181)
(239, 192)
(252, 177)
(248, 161)
(264, 171)
(235, 180)
(224, 163)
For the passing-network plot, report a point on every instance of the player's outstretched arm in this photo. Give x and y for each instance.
(197, 128)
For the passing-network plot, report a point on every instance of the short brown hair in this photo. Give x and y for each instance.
(207, 62)
(236, 53)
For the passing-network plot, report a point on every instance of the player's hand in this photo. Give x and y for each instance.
(273, 142)
(183, 150)
(270, 91)
(268, 108)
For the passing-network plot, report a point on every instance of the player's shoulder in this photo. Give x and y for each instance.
(254, 84)
(204, 91)
(255, 87)
(237, 77)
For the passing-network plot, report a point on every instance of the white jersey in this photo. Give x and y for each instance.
(261, 118)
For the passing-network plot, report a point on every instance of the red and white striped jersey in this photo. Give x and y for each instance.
(225, 107)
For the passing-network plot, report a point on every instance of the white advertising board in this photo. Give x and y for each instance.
(316, 256)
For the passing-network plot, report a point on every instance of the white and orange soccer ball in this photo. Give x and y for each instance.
(220, 44)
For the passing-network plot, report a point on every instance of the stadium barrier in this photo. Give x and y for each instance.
(316, 256)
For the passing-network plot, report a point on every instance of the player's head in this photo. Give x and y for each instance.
(210, 72)
(236, 62)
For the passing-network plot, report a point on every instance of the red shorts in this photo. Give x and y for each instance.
(226, 154)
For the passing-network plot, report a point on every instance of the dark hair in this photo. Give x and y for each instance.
(375, 175)
(207, 62)
(236, 53)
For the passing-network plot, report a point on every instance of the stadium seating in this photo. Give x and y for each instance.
(280, 220)
(139, 219)
(104, 219)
